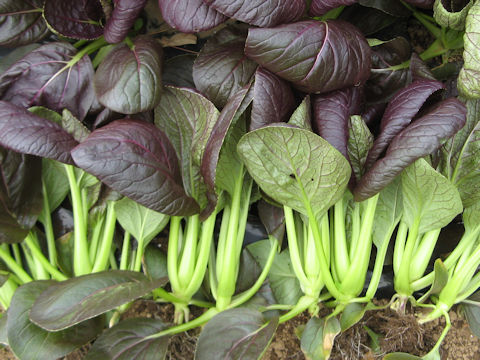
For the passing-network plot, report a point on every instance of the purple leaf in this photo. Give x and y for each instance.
(44, 77)
(400, 112)
(316, 56)
(383, 81)
(20, 195)
(331, 113)
(190, 16)
(417, 140)
(136, 159)
(129, 79)
(24, 132)
(125, 12)
(75, 19)
(221, 68)
(21, 22)
(273, 100)
(260, 12)
(320, 7)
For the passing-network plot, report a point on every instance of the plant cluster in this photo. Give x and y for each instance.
(352, 149)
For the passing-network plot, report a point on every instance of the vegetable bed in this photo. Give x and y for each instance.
(215, 179)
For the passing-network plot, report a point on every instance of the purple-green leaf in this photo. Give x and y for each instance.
(124, 14)
(30, 342)
(20, 195)
(235, 334)
(318, 337)
(400, 112)
(70, 302)
(24, 132)
(273, 99)
(260, 12)
(75, 19)
(316, 56)
(21, 22)
(221, 68)
(187, 118)
(128, 80)
(190, 16)
(136, 159)
(229, 115)
(417, 140)
(320, 7)
(126, 341)
(331, 112)
(45, 77)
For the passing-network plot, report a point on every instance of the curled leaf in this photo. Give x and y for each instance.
(124, 14)
(307, 53)
(452, 14)
(129, 79)
(469, 77)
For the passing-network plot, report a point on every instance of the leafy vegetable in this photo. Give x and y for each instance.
(128, 80)
(305, 53)
(124, 14)
(21, 22)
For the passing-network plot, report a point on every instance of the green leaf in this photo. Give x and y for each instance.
(235, 334)
(470, 217)
(428, 196)
(65, 245)
(74, 126)
(69, 302)
(360, 140)
(469, 78)
(144, 224)
(28, 341)
(388, 212)
(295, 167)
(401, 356)
(284, 283)
(3, 330)
(459, 157)
(56, 184)
(452, 18)
(352, 314)
(318, 337)
(472, 314)
(440, 279)
(302, 116)
(188, 118)
(155, 263)
(126, 341)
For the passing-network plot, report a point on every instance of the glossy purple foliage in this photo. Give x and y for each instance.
(320, 7)
(136, 159)
(316, 56)
(125, 12)
(190, 16)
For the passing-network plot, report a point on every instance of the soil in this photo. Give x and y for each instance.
(397, 333)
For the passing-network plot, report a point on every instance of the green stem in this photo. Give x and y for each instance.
(303, 304)
(227, 275)
(423, 254)
(206, 240)
(245, 296)
(293, 247)
(81, 257)
(402, 278)
(125, 251)
(172, 253)
(188, 258)
(12, 265)
(48, 226)
(102, 258)
(399, 246)
(96, 234)
(356, 222)
(342, 259)
(16, 254)
(38, 256)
